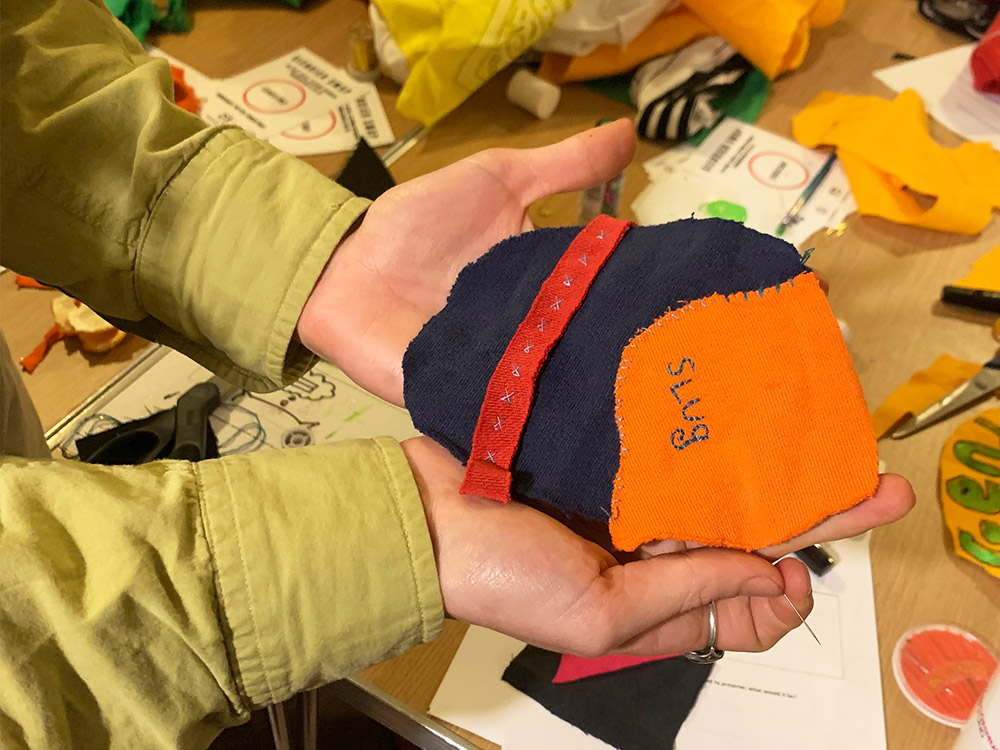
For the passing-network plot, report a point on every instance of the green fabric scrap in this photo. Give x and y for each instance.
(742, 103)
(142, 15)
(613, 87)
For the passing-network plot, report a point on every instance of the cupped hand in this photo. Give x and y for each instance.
(394, 272)
(892, 500)
(513, 569)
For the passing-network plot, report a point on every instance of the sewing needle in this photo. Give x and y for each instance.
(801, 619)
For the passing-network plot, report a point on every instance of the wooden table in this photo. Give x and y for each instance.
(885, 283)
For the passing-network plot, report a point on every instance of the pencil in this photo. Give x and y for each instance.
(806, 195)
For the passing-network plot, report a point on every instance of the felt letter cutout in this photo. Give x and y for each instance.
(970, 490)
(742, 422)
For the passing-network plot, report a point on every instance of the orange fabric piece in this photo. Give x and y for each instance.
(985, 272)
(922, 389)
(26, 282)
(184, 96)
(742, 441)
(886, 152)
(30, 361)
(773, 35)
(667, 33)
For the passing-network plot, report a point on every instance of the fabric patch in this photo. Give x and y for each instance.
(568, 454)
(640, 708)
(511, 389)
(573, 668)
(742, 422)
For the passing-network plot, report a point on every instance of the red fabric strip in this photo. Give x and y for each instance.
(572, 668)
(511, 389)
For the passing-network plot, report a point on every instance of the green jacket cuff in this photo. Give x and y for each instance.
(323, 563)
(233, 247)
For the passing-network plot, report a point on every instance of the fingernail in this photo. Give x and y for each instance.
(763, 586)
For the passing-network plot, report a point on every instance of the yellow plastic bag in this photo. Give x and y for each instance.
(454, 46)
(970, 490)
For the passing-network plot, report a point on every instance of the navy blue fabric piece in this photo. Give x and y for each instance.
(637, 708)
(569, 451)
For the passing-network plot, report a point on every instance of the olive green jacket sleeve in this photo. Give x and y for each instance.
(149, 607)
(202, 238)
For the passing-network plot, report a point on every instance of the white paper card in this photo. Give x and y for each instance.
(745, 173)
(944, 82)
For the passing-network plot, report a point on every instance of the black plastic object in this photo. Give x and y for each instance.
(817, 559)
(967, 18)
(159, 435)
(365, 175)
(191, 430)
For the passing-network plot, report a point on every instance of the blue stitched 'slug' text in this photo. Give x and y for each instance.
(699, 431)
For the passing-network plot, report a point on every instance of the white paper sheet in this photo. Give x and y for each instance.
(321, 407)
(742, 167)
(796, 695)
(944, 82)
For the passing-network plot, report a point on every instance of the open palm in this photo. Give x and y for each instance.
(394, 272)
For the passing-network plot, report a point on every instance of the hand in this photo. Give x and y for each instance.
(395, 271)
(892, 500)
(515, 570)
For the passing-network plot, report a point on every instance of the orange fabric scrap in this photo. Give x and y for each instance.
(985, 272)
(740, 444)
(73, 318)
(184, 96)
(886, 151)
(922, 389)
(772, 34)
(26, 282)
(30, 361)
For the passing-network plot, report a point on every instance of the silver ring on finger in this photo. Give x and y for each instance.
(710, 654)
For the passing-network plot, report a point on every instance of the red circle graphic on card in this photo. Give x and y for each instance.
(308, 131)
(275, 96)
(778, 171)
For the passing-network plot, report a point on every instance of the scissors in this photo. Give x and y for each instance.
(982, 384)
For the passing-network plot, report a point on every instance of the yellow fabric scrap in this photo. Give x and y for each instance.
(454, 46)
(922, 389)
(970, 490)
(887, 152)
(985, 273)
